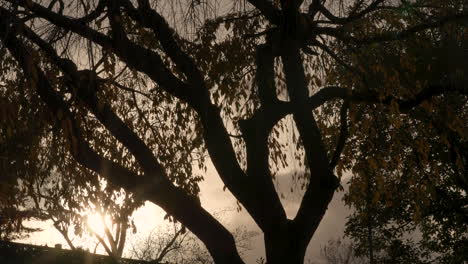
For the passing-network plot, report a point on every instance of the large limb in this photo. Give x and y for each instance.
(268, 10)
(410, 31)
(85, 84)
(432, 90)
(176, 202)
(322, 183)
(343, 135)
(98, 11)
(149, 62)
(196, 95)
(353, 16)
(169, 40)
(255, 132)
(330, 93)
(340, 32)
(268, 207)
(134, 55)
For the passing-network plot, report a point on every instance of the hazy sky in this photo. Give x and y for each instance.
(215, 200)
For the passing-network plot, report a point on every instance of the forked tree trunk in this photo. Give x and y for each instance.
(284, 249)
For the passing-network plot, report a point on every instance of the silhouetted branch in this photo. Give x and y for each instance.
(343, 134)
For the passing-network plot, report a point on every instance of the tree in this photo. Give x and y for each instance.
(127, 96)
(12, 222)
(339, 252)
(174, 244)
(76, 210)
(13, 199)
(54, 193)
(159, 246)
(415, 175)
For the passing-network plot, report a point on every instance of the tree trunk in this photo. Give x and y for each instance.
(283, 247)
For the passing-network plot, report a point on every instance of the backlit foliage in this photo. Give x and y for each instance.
(102, 100)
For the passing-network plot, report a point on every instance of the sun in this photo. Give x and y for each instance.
(97, 222)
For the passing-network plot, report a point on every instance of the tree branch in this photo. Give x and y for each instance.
(63, 232)
(134, 55)
(334, 92)
(149, 18)
(86, 83)
(343, 135)
(344, 20)
(98, 11)
(268, 10)
(173, 200)
(255, 132)
(215, 134)
(102, 241)
(322, 183)
(167, 247)
(392, 36)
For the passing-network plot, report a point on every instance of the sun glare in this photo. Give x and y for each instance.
(97, 223)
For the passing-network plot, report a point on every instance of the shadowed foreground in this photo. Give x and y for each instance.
(17, 253)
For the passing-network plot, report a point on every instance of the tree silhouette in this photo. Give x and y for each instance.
(140, 93)
(340, 252)
(174, 244)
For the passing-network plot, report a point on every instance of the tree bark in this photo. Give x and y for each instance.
(283, 246)
(288, 243)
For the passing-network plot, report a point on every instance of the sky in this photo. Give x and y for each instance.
(223, 204)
